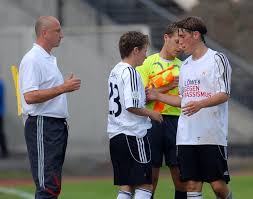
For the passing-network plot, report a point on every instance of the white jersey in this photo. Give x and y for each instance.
(38, 70)
(201, 79)
(126, 90)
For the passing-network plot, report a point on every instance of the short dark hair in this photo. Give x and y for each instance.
(171, 29)
(192, 24)
(129, 40)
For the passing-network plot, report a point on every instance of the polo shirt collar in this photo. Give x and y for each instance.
(42, 50)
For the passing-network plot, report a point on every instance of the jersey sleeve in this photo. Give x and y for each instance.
(143, 70)
(29, 76)
(131, 89)
(222, 74)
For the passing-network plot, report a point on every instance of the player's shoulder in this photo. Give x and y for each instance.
(148, 62)
(222, 60)
(220, 56)
(125, 67)
(215, 54)
(177, 61)
(152, 58)
(122, 67)
(186, 61)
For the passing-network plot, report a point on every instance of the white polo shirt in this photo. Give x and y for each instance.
(201, 79)
(38, 70)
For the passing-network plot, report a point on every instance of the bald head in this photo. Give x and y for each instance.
(44, 22)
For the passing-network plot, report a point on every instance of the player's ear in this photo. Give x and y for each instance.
(196, 35)
(136, 50)
(166, 36)
(43, 32)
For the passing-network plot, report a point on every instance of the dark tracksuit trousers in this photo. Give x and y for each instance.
(46, 140)
(3, 145)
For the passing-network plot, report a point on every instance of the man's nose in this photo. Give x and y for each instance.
(180, 46)
(61, 35)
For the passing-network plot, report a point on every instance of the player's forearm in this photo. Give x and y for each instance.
(164, 89)
(215, 100)
(170, 100)
(140, 111)
(40, 96)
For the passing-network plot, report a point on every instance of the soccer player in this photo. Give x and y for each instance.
(204, 84)
(128, 120)
(43, 96)
(156, 70)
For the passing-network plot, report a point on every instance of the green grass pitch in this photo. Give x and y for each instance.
(241, 187)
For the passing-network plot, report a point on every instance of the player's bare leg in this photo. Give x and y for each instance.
(221, 190)
(180, 187)
(155, 177)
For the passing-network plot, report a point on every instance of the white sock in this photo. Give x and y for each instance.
(194, 195)
(124, 195)
(142, 194)
(229, 196)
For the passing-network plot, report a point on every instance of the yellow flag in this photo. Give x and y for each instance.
(14, 71)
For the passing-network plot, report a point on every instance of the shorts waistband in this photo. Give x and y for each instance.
(47, 117)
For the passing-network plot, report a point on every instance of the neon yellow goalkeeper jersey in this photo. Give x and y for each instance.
(159, 72)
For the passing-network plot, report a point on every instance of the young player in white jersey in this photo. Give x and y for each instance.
(204, 84)
(128, 121)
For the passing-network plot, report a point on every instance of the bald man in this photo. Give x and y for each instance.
(44, 105)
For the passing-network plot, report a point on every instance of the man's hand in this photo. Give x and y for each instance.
(151, 94)
(156, 116)
(167, 87)
(174, 83)
(191, 108)
(72, 83)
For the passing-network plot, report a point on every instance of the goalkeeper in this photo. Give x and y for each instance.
(161, 70)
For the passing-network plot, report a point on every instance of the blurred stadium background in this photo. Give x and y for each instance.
(89, 49)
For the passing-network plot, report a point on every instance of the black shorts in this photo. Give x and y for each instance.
(206, 163)
(131, 160)
(162, 137)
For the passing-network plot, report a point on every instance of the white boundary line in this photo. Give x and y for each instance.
(16, 192)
